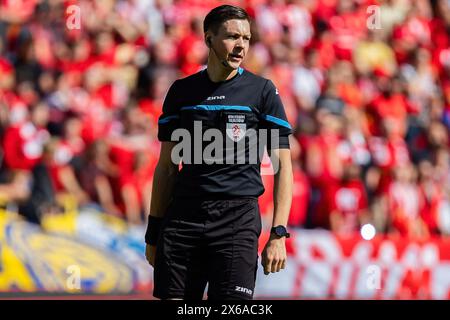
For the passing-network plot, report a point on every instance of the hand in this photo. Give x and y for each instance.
(273, 257)
(150, 254)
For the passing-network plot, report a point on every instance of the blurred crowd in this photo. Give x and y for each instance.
(365, 84)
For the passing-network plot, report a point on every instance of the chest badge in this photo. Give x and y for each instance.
(236, 126)
(236, 131)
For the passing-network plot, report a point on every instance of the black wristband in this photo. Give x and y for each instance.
(153, 228)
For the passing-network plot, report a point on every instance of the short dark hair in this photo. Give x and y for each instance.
(223, 13)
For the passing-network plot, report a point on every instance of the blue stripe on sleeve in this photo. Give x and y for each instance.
(278, 121)
(167, 119)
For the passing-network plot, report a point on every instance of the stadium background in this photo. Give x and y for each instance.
(368, 96)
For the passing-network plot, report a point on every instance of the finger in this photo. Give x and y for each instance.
(263, 260)
(281, 264)
(276, 266)
(268, 266)
(273, 265)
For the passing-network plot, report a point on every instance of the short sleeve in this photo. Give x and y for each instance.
(273, 116)
(169, 119)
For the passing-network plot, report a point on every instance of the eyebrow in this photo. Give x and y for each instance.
(238, 34)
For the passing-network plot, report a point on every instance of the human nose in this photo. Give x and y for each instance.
(240, 43)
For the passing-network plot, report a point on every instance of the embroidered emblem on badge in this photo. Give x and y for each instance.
(236, 131)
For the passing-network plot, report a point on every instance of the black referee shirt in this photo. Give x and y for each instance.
(236, 106)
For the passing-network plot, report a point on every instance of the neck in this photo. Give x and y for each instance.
(218, 72)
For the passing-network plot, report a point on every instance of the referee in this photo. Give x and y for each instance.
(204, 220)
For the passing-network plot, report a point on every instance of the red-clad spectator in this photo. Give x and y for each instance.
(432, 194)
(323, 161)
(356, 133)
(15, 109)
(79, 59)
(27, 93)
(422, 84)
(413, 32)
(347, 88)
(442, 167)
(300, 199)
(61, 173)
(392, 108)
(43, 40)
(388, 153)
(24, 142)
(51, 178)
(308, 80)
(325, 9)
(348, 26)
(191, 49)
(17, 11)
(268, 23)
(348, 203)
(405, 203)
(6, 69)
(439, 24)
(129, 152)
(297, 18)
(325, 49)
(95, 171)
(441, 62)
(141, 179)
(105, 49)
(97, 115)
(301, 189)
(71, 140)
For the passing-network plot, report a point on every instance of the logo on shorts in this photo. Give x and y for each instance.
(244, 290)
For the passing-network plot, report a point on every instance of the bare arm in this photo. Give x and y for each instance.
(283, 184)
(274, 254)
(163, 181)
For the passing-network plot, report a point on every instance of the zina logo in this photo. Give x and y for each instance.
(242, 289)
(215, 98)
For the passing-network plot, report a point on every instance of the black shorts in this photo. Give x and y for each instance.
(212, 242)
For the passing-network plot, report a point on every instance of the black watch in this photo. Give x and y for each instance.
(280, 231)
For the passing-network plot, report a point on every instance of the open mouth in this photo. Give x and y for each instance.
(236, 56)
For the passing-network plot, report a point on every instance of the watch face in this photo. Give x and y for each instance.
(280, 231)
